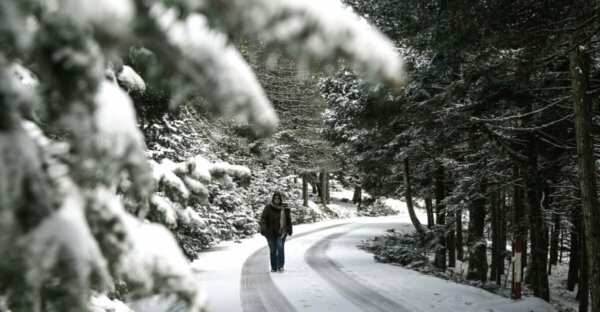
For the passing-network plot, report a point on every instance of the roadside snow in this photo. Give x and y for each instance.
(417, 291)
(562, 298)
(400, 206)
(343, 194)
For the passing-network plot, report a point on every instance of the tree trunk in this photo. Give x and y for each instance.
(495, 224)
(322, 186)
(357, 197)
(327, 188)
(554, 240)
(440, 252)
(562, 245)
(503, 212)
(579, 65)
(584, 278)
(450, 240)
(459, 235)
(304, 190)
(574, 258)
(429, 208)
(537, 273)
(519, 221)
(494, 233)
(476, 242)
(409, 203)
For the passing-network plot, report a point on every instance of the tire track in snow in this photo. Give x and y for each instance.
(258, 293)
(364, 297)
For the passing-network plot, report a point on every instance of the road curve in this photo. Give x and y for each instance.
(364, 297)
(258, 293)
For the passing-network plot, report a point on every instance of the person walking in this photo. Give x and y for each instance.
(276, 225)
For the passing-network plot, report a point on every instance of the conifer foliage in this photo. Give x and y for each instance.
(498, 121)
(69, 139)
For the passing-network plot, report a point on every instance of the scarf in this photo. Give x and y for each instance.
(281, 219)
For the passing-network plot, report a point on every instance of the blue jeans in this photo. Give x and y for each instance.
(277, 254)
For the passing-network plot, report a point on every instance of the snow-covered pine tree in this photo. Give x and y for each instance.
(69, 138)
(293, 90)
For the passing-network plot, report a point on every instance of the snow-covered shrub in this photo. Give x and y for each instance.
(402, 249)
(310, 214)
(180, 185)
(413, 252)
(375, 207)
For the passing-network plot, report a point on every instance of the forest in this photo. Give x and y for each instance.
(138, 136)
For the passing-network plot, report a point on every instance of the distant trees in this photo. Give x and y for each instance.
(293, 90)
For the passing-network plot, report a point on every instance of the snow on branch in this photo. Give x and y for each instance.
(180, 183)
(215, 70)
(66, 235)
(115, 121)
(307, 30)
(130, 80)
(93, 236)
(144, 255)
(112, 19)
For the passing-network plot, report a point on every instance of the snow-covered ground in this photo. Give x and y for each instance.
(559, 295)
(326, 272)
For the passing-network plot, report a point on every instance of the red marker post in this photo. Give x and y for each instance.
(516, 280)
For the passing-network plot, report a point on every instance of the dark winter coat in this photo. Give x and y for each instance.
(269, 221)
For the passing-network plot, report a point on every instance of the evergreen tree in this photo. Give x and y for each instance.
(495, 75)
(64, 230)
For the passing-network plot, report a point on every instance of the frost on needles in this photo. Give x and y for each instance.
(76, 188)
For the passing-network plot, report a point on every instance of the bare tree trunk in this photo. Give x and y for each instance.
(304, 190)
(476, 242)
(574, 257)
(579, 65)
(440, 252)
(429, 208)
(494, 220)
(357, 197)
(537, 273)
(554, 240)
(322, 186)
(519, 220)
(450, 240)
(460, 254)
(503, 212)
(327, 187)
(494, 232)
(409, 203)
(562, 244)
(584, 279)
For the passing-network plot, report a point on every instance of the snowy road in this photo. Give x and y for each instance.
(326, 272)
(258, 291)
(365, 297)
